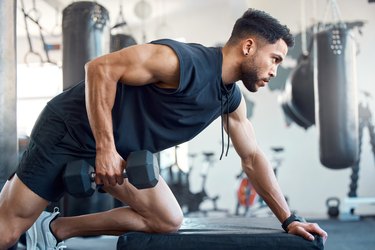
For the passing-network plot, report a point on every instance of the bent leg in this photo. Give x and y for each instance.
(150, 210)
(19, 208)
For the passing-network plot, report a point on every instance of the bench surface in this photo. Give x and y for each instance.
(220, 234)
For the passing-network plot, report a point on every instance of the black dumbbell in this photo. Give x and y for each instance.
(142, 171)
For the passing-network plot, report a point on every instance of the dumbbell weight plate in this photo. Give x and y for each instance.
(77, 179)
(142, 169)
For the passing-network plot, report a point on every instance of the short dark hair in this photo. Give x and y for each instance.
(256, 22)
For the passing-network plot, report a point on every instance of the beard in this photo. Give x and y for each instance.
(250, 77)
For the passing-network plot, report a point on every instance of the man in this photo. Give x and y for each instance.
(150, 96)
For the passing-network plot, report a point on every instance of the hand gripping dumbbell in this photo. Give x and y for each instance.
(142, 171)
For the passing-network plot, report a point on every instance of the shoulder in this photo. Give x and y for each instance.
(239, 113)
(189, 50)
(144, 52)
(235, 96)
(148, 55)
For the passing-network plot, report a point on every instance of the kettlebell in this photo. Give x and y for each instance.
(333, 204)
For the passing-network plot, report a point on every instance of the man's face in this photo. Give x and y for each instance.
(258, 69)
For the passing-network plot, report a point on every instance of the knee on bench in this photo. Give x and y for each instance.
(169, 225)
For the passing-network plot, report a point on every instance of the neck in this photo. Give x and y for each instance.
(231, 68)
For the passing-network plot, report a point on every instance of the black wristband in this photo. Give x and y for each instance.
(291, 219)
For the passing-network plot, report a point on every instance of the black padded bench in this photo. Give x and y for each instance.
(220, 234)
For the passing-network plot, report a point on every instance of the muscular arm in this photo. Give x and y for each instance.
(136, 65)
(255, 164)
(261, 174)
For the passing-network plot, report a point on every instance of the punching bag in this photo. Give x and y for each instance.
(120, 33)
(86, 34)
(120, 41)
(8, 91)
(336, 101)
(297, 100)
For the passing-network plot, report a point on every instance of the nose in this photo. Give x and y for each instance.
(273, 71)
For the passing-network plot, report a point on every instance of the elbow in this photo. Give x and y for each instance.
(97, 69)
(248, 163)
(249, 160)
(91, 66)
(89, 69)
(88, 64)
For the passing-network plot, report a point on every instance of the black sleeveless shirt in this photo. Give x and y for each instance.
(152, 118)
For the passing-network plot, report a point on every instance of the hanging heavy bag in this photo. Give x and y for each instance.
(298, 97)
(86, 34)
(336, 101)
(120, 35)
(120, 41)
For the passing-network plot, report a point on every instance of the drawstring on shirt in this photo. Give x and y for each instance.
(222, 122)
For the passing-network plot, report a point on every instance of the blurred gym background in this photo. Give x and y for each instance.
(206, 185)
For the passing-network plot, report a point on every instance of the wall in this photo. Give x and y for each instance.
(303, 179)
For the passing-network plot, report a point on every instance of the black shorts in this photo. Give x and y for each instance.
(51, 147)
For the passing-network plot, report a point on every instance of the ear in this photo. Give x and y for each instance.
(248, 46)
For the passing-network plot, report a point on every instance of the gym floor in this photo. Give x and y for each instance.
(349, 235)
(343, 235)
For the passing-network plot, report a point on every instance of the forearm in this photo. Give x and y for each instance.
(262, 177)
(100, 96)
(261, 174)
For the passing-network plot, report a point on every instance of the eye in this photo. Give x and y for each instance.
(276, 60)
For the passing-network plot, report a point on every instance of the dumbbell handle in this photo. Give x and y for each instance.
(93, 174)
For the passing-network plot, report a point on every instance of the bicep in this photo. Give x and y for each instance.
(242, 133)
